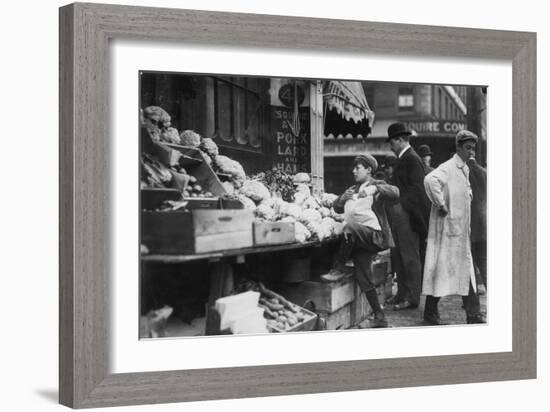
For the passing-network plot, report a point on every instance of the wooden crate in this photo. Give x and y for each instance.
(193, 161)
(152, 198)
(325, 297)
(273, 233)
(341, 319)
(381, 266)
(196, 231)
(309, 323)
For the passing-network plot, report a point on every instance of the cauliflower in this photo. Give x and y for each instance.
(311, 203)
(209, 147)
(248, 203)
(300, 198)
(157, 115)
(207, 159)
(255, 190)
(288, 219)
(314, 228)
(310, 215)
(271, 202)
(190, 138)
(170, 135)
(338, 228)
(301, 233)
(290, 209)
(229, 166)
(326, 229)
(228, 187)
(301, 178)
(303, 188)
(265, 212)
(327, 199)
(325, 212)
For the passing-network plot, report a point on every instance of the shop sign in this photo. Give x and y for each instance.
(436, 127)
(292, 151)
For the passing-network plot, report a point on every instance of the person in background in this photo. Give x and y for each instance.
(478, 183)
(449, 267)
(389, 166)
(409, 221)
(426, 154)
(366, 230)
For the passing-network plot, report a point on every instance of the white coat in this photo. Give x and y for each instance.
(449, 268)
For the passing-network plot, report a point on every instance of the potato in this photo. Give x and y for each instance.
(197, 188)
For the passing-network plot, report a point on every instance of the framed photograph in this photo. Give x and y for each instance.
(235, 205)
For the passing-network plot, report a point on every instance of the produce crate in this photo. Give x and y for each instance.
(324, 297)
(360, 307)
(381, 266)
(152, 198)
(307, 324)
(196, 231)
(273, 233)
(341, 319)
(193, 161)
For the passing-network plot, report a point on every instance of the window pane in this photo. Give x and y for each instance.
(223, 110)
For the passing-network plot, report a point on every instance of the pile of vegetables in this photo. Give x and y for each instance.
(281, 314)
(279, 183)
(273, 195)
(157, 122)
(313, 216)
(231, 168)
(154, 173)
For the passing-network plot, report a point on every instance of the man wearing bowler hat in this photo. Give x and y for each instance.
(426, 154)
(449, 268)
(366, 229)
(409, 219)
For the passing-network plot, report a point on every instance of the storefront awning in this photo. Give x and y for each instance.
(349, 101)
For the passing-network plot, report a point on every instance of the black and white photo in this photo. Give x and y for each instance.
(282, 205)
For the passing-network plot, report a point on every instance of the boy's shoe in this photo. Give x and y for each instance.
(333, 276)
(379, 320)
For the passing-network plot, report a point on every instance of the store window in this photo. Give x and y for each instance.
(405, 100)
(239, 111)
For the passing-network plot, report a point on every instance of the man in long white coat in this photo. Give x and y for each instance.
(449, 268)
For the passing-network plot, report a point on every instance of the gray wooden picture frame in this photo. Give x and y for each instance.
(85, 32)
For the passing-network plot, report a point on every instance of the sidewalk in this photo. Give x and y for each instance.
(450, 310)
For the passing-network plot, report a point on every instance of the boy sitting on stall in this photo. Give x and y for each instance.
(366, 230)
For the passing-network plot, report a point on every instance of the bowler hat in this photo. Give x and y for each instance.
(465, 135)
(424, 150)
(366, 160)
(396, 130)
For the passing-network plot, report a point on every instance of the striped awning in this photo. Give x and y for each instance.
(349, 101)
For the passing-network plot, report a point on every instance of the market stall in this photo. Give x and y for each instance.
(242, 211)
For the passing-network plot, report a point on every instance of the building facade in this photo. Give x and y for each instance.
(434, 113)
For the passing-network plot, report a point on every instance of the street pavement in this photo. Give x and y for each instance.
(450, 311)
